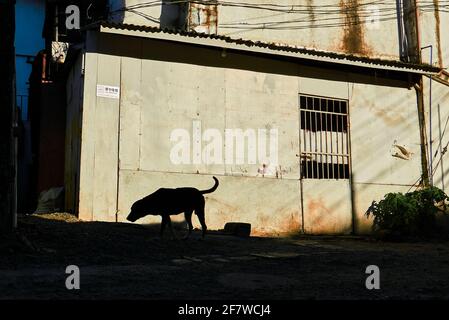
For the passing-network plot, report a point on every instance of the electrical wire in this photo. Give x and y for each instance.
(363, 13)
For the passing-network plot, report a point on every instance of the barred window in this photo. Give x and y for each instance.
(324, 138)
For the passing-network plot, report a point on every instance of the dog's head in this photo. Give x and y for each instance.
(143, 207)
(136, 212)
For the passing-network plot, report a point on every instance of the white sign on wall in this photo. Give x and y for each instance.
(108, 91)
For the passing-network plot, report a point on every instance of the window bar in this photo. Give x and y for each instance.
(315, 115)
(303, 131)
(340, 120)
(337, 142)
(347, 139)
(325, 132)
(321, 140)
(315, 151)
(304, 158)
(343, 148)
(342, 172)
(301, 136)
(304, 155)
(331, 142)
(343, 144)
(317, 133)
(313, 144)
(310, 142)
(340, 141)
(306, 121)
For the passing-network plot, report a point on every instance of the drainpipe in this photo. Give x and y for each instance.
(422, 131)
(441, 148)
(430, 117)
(402, 38)
(419, 87)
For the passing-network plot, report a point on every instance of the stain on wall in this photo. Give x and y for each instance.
(438, 33)
(353, 41)
(310, 11)
(317, 211)
(288, 223)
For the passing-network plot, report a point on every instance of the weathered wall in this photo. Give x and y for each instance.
(360, 27)
(326, 211)
(443, 22)
(350, 26)
(270, 205)
(159, 97)
(438, 119)
(166, 86)
(99, 136)
(382, 120)
(332, 25)
(436, 96)
(433, 26)
(74, 89)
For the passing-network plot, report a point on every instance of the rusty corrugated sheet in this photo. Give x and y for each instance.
(363, 60)
(203, 18)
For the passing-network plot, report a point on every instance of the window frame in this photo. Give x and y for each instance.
(317, 168)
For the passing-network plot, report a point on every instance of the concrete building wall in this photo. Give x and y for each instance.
(436, 95)
(383, 119)
(432, 33)
(359, 27)
(74, 89)
(158, 97)
(126, 145)
(348, 26)
(99, 148)
(318, 24)
(325, 211)
(437, 118)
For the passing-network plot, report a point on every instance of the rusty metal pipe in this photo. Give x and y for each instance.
(422, 132)
(418, 36)
(430, 116)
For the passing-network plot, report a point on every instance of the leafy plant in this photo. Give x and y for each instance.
(410, 214)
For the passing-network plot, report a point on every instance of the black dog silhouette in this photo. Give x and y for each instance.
(166, 202)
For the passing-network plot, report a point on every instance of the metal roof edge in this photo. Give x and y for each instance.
(225, 42)
(442, 77)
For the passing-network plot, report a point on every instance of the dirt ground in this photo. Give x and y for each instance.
(127, 261)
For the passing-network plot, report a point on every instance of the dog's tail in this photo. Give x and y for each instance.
(211, 189)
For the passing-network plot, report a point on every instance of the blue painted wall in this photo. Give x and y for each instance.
(30, 16)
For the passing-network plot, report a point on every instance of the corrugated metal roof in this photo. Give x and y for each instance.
(263, 47)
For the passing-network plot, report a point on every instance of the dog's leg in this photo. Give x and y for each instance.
(200, 213)
(188, 216)
(163, 223)
(171, 228)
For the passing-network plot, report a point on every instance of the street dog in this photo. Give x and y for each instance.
(166, 202)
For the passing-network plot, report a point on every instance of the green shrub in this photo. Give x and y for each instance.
(410, 214)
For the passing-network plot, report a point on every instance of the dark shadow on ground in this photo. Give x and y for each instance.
(125, 261)
(58, 238)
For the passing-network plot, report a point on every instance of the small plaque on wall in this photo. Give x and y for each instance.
(108, 91)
